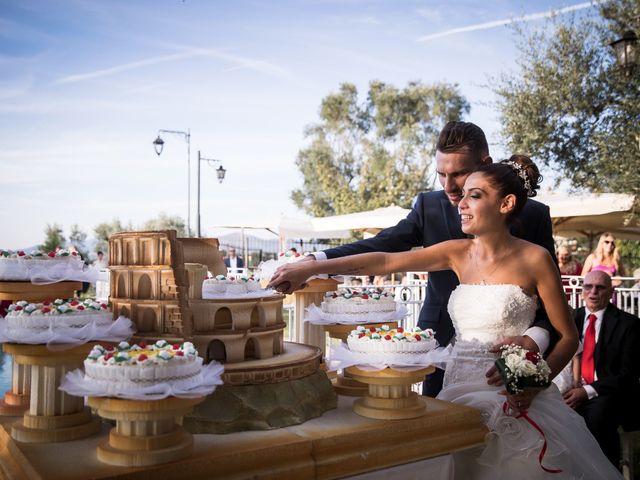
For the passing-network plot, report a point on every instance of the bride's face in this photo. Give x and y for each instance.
(482, 208)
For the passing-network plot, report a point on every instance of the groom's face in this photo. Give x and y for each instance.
(453, 169)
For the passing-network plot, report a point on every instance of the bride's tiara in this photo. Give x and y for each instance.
(521, 172)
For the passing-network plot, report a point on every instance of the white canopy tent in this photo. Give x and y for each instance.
(590, 214)
(340, 226)
(572, 214)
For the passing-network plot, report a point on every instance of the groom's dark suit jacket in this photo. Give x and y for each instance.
(433, 220)
(616, 356)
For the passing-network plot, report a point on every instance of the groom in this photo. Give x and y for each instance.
(461, 149)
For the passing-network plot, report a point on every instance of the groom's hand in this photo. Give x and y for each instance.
(493, 377)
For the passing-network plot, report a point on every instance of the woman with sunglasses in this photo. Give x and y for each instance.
(605, 258)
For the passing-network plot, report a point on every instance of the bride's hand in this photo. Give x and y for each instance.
(289, 278)
(520, 402)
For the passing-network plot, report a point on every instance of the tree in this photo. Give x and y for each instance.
(569, 105)
(376, 153)
(77, 238)
(53, 238)
(104, 230)
(166, 222)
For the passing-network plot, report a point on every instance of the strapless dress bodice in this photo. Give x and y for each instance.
(488, 313)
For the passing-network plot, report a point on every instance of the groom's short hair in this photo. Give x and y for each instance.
(463, 136)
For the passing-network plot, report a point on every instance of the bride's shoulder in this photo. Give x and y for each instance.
(534, 254)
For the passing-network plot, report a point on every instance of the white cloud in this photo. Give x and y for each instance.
(507, 21)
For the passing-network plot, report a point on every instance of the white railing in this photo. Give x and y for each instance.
(412, 295)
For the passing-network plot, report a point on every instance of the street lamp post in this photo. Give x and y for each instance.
(158, 144)
(220, 173)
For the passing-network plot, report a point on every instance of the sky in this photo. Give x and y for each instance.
(86, 85)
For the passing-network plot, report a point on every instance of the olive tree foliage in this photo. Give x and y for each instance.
(54, 238)
(570, 106)
(373, 153)
(104, 230)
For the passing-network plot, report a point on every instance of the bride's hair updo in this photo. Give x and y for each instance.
(517, 176)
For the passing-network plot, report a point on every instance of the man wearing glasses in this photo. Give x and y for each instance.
(610, 392)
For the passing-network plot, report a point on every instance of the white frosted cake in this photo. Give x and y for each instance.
(127, 368)
(222, 286)
(58, 316)
(15, 266)
(354, 302)
(390, 340)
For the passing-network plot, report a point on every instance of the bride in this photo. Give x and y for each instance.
(502, 278)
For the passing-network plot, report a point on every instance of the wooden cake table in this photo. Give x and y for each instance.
(344, 383)
(53, 415)
(147, 432)
(16, 400)
(390, 396)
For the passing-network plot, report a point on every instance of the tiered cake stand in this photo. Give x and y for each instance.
(390, 396)
(16, 400)
(53, 415)
(147, 432)
(344, 383)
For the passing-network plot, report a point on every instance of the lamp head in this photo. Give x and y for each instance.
(220, 172)
(626, 51)
(158, 144)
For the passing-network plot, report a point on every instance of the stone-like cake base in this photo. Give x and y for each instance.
(285, 390)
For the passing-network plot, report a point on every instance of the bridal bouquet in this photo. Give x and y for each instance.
(521, 368)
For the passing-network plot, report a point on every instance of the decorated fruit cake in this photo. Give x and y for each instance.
(132, 367)
(390, 340)
(15, 266)
(354, 302)
(222, 286)
(58, 315)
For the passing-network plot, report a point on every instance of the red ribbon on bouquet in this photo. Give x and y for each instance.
(506, 410)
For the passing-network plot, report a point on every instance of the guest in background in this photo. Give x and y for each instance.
(101, 262)
(566, 263)
(233, 262)
(605, 258)
(610, 392)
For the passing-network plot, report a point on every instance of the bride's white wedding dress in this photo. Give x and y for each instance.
(482, 315)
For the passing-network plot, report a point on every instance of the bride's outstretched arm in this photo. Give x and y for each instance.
(552, 295)
(437, 257)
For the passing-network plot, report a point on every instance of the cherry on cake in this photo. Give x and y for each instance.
(15, 265)
(350, 302)
(61, 316)
(390, 340)
(130, 368)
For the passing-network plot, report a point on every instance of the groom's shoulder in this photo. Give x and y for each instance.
(425, 198)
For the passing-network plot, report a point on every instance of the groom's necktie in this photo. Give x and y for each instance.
(588, 365)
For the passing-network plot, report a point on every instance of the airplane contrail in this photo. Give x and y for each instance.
(507, 21)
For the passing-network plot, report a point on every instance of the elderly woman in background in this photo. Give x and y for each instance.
(605, 258)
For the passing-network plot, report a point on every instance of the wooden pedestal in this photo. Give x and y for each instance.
(390, 396)
(344, 383)
(16, 400)
(147, 432)
(313, 293)
(53, 415)
(28, 291)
